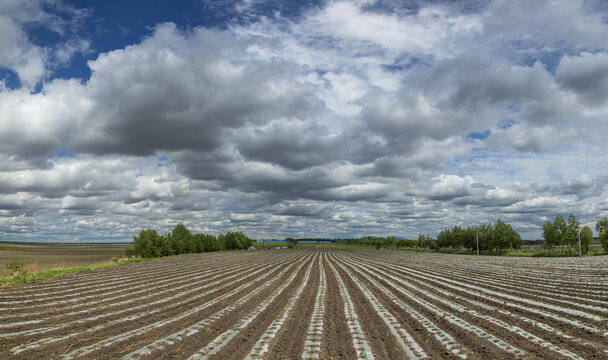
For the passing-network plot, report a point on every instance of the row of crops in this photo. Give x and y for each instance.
(315, 304)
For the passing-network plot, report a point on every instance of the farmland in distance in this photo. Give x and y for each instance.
(311, 303)
(51, 256)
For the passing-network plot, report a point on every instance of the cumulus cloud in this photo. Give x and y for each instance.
(585, 75)
(349, 119)
(30, 61)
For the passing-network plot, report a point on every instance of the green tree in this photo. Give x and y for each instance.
(430, 243)
(516, 240)
(424, 241)
(182, 240)
(209, 243)
(469, 239)
(550, 235)
(377, 243)
(604, 239)
(444, 239)
(586, 239)
(389, 242)
(163, 244)
(199, 243)
(457, 237)
(561, 231)
(221, 242)
(145, 244)
(231, 241)
(236, 241)
(485, 233)
(601, 225)
(291, 242)
(503, 235)
(572, 231)
(244, 240)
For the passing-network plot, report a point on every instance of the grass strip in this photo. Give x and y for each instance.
(46, 274)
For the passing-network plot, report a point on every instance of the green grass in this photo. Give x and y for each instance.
(46, 274)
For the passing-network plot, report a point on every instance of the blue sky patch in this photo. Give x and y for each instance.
(478, 135)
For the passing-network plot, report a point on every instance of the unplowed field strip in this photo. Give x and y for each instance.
(315, 304)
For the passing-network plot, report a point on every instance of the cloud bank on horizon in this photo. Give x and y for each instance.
(321, 119)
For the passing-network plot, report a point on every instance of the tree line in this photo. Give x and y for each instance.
(496, 237)
(492, 237)
(150, 244)
(566, 232)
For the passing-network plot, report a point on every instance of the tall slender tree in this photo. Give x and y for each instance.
(550, 235)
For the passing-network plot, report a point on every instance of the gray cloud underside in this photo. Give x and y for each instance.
(351, 120)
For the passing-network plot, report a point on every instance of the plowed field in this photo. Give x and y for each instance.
(315, 304)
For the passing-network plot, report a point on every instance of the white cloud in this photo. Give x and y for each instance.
(18, 54)
(346, 120)
(545, 24)
(33, 63)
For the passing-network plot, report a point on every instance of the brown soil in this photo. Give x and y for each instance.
(289, 342)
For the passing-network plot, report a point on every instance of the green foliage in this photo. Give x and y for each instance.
(150, 244)
(421, 239)
(425, 241)
(604, 239)
(130, 251)
(182, 240)
(562, 232)
(15, 266)
(572, 229)
(601, 225)
(291, 242)
(377, 243)
(550, 235)
(237, 241)
(495, 238)
(469, 238)
(390, 242)
(146, 244)
(163, 243)
(505, 237)
(209, 242)
(42, 275)
(586, 239)
(221, 242)
(444, 239)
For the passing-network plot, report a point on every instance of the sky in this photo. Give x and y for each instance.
(304, 119)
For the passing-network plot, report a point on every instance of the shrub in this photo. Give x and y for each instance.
(291, 242)
(130, 252)
(15, 266)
